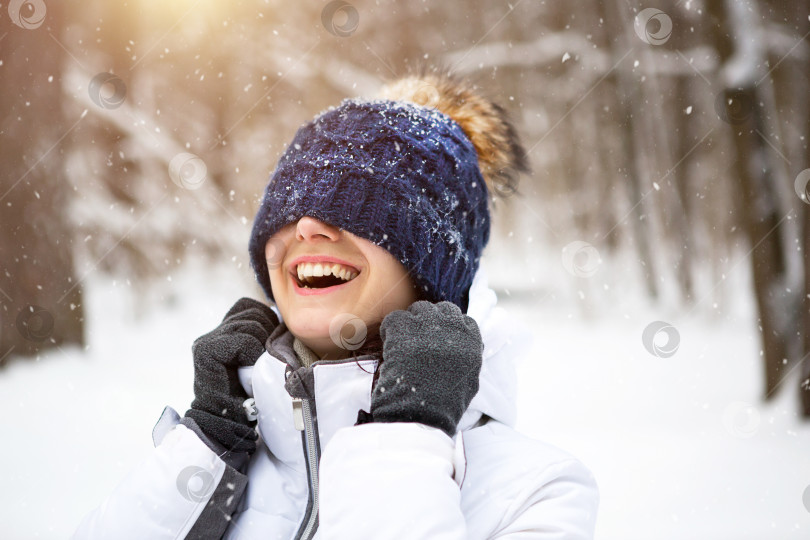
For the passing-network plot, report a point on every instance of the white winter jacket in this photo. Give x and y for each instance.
(317, 475)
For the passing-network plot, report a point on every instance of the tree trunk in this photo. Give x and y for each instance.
(758, 202)
(681, 208)
(627, 97)
(804, 386)
(40, 297)
(762, 221)
(804, 215)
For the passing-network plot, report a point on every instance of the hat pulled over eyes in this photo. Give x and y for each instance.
(411, 171)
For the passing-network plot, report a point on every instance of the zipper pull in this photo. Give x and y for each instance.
(251, 411)
(298, 413)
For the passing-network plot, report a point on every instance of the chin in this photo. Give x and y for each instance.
(308, 327)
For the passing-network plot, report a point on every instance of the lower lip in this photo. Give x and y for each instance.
(303, 291)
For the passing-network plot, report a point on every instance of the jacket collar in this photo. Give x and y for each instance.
(504, 338)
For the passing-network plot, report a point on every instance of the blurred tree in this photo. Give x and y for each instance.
(628, 94)
(804, 385)
(737, 38)
(40, 296)
(798, 13)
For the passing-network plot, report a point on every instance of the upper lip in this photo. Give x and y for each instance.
(320, 259)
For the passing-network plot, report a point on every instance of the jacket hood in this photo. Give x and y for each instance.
(506, 340)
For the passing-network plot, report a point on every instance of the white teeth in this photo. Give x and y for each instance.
(308, 270)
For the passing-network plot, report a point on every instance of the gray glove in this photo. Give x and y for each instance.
(431, 362)
(218, 404)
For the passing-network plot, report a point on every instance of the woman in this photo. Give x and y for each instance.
(381, 382)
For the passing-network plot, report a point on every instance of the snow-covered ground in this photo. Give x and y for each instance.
(681, 447)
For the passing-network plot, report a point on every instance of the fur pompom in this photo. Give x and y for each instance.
(501, 157)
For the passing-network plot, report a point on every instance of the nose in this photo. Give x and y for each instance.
(312, 230)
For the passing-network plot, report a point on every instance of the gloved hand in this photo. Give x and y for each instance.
(431, 362)
(219, 396)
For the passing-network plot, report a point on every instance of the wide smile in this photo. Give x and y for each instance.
(317, 277)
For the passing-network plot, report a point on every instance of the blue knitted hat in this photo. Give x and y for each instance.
(404, 176)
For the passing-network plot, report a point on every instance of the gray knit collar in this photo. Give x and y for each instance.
(306, 356)
(283, 345)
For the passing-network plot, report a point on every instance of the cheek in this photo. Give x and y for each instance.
(394, 289)
(273, 278)
(277, 280)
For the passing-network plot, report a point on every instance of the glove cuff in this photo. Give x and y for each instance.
(404, 414)
(233, 436)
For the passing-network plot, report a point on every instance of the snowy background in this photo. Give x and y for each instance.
(681, 447)
(670, 156)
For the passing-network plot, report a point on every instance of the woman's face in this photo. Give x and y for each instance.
(325, 317)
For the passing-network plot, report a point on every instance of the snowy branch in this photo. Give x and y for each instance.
(558, 47)
(138, 127)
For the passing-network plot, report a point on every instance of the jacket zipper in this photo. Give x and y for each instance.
(304, 421)
(302, 415)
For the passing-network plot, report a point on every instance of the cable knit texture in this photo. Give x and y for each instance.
(400, 175)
